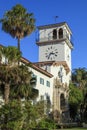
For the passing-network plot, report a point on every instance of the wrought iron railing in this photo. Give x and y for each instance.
(50, 38)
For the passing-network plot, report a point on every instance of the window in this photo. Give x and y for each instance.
(41, 81)
(48, 83)
(42, 97)
(33, 79)
(62, 101)
(60, 33)
(54, 34)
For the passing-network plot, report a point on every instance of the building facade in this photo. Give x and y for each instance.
(55, 46)
(53, 70)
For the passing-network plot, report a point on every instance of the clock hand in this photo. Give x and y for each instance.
(49, 56)
(52, 53)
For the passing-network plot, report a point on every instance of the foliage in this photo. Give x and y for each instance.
(16, 81)
(75, 99)
(11, 116)
(17, 112)
(18, 115)
(79, 77)
(75, 95)
(32, 115)
(20, 86)
(18, 23)
(14, 78)
(78, 92)
(47, 123)
(11, 54)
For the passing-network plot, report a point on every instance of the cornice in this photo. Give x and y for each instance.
(55, 25)
(54, 63)
(24, 60)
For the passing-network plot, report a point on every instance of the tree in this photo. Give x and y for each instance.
(20, 116)
(15, 83)
(20, 86)
(18, 23)
(11, 116)
(75, 100)
(79, 78)
(10, 56)
(14, 77)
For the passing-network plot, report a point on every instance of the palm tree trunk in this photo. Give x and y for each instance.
(6, 93)
(19, 44)
(18, 47)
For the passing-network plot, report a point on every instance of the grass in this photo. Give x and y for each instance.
(75, 129)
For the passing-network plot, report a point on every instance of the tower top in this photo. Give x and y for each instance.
(54, 33)
(55, 25)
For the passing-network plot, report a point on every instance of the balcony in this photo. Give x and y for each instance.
(51, 39)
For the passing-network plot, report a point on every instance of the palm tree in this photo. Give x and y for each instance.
(79, 77)
(21, 87)
(10, 56)
(14, 77)
(18, 23)
(5, 81)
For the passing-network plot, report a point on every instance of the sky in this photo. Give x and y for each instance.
(73, 12)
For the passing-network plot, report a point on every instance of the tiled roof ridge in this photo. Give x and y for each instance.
(36, 67)
(54, 63)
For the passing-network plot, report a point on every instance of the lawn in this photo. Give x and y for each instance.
(75, 129)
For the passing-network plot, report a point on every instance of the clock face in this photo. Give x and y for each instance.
(51, 53)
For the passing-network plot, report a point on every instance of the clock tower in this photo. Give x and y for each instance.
(54, 43)
(55, 47)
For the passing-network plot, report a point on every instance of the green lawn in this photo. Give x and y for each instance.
(75, 129)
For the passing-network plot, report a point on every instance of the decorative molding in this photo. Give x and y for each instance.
(36, 67)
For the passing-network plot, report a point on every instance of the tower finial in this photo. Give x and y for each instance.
(56, 18)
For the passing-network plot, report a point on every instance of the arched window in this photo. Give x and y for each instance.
(60, 33)
(62, 101)
(54, 34)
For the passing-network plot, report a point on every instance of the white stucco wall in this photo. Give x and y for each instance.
(47, 33)
(68, 55)
(43, 89)
(56, 69)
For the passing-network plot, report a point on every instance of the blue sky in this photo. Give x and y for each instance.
(74, 12)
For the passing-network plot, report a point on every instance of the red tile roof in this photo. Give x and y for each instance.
(32, 65)
(54, 63)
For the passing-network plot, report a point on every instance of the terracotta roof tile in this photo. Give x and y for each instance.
(24, 60)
